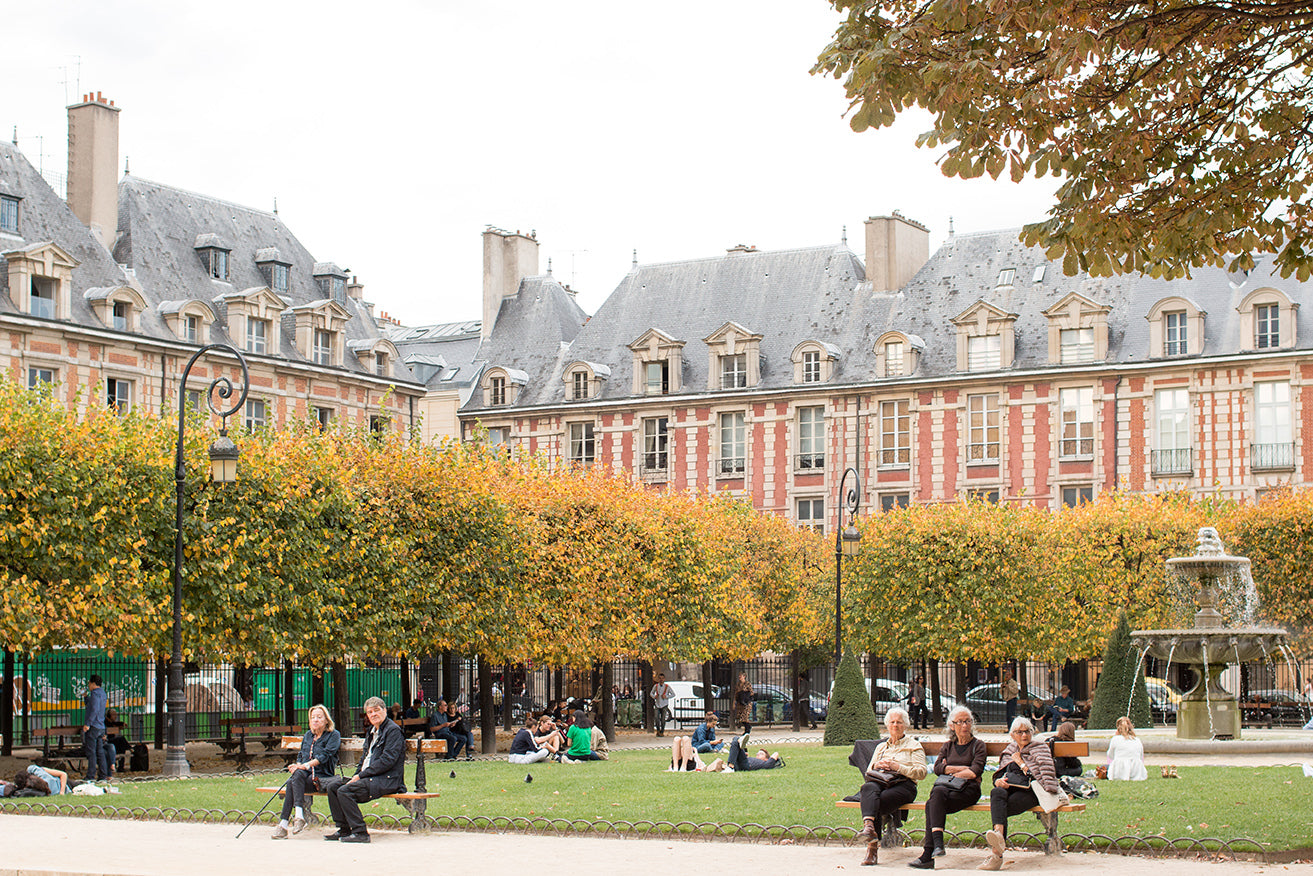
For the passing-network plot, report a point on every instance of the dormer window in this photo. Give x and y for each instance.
(1006, 276)
(985, 337)
(734, 371)
(331, 280)
(257, 335)
(897, 354)
(1038, 276)
(501, 386)
(983, 353)
(580, 385)
(657, 363)
(381, 364)
(734, 357)
(1078, 330)
(213, 252)
(275, 268)
(323, 347)
(1267, 320)
(117, 306)
(43, 297)
(187, 318)
(278, 278)
(9, 214)
(813, 362)
(583, 380)
(193, 330)
(1176, 328)
(219, 264)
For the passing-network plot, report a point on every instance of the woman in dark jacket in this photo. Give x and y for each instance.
(742, 715)
(1025, 760)
(317, 760)
(958, 766)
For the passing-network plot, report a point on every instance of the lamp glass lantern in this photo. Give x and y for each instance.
(223, 459)
(851, 541)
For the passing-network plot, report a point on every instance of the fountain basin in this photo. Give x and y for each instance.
(1211, 645)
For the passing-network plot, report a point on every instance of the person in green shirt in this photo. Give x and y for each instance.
(580, 737)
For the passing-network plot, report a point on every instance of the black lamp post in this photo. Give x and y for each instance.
(846, 543)
(223, 468)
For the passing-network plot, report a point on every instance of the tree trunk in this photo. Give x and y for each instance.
(644, 688)
(487, 720)
(608, 701)
(7, 710)
(938, 713)
(161, 686)
(289, 694)
(341, 700)
(797, 692)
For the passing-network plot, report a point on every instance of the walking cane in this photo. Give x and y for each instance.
(265, 806)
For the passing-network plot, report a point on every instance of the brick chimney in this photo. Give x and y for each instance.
(93, 159)
(896, 248)
(508, 257)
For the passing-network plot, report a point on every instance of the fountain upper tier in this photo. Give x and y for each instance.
(1199, 646)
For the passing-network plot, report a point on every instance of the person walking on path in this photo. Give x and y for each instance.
(1010, 691)
(662, 694)
(93, 729)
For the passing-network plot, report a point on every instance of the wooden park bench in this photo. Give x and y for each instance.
(59, 734)
(231, 739)
(1053, 843)
(415, 802)
(270, 736)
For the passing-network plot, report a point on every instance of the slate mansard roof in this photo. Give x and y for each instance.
(820, 294)
(44, 217)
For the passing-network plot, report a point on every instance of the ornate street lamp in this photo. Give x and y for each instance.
(847, 541)
(223, 469)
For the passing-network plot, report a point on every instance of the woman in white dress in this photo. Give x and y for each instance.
(1126, 754)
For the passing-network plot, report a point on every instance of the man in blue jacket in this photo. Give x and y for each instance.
(381, 771)
(93, 730)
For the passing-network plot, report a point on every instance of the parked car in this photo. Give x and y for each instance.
(1277, 706)
(774, 704)
(986, 702)
(1164, 700)
(890, 692)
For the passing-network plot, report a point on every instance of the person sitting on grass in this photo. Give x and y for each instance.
(684, 757)
(536, 742)
(1126, 754)
(704, 736)
(580, 736)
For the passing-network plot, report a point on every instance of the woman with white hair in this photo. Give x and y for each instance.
(897, 764)
(958, 767)
(1025, 760)
(316, 761)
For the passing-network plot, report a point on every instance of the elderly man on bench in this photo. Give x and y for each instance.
(381, 771)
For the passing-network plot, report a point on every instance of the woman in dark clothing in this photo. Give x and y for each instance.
(743, 704)
(317, 760)
(960, 762)
(1066, 766)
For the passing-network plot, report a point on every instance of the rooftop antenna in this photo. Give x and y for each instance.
(127, 167)
(634, 266)
(844, 239)
(549, 266)
(950, 226)
(275, 205)
(573, 253)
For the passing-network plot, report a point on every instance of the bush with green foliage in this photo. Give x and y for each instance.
(850, 716)
(1121, 682)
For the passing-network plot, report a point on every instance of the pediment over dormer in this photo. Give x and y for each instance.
(985, 337)
(658, 363)
(325, 308)
(731, 336)
(48, 256)
(41, 279)
(1078, 330)
(1071, 309)
(259, 297)
(654, 340)
(982, 313)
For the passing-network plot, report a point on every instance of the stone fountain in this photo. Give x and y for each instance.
(1209, 711)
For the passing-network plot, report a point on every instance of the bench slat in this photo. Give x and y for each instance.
(974, 807)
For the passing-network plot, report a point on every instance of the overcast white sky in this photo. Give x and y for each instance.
(392, 133)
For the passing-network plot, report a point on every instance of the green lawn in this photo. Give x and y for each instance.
(1272, 805)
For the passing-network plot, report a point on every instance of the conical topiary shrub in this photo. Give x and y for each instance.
(1122, 676)
(850, 715)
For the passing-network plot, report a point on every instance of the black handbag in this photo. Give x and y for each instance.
(884, 778)
(953, 783)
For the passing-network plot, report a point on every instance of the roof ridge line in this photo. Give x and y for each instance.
(204, 197)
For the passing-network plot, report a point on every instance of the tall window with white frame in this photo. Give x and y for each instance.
(497, 391)
(984, 353)
(656, 441)
(895, 434)
(1076, 346)
(656, 377)
(733, 438)
(1076, 408)
(8, 214)
(582, 447)
(1267, 326)
(42, 299)
(121, 311)
(982, 428)
(893, 359)
(381, 364)
(278, 278)
(323, 418)
(1273, 447)
(256, 414)
(1172, 455)
(323, 347)
(811, 366)
(734, 371)
(193, 329)
(811, 514)
(118, 394)
(1176, 333)
(257, 335)
(811, 438)
(219, 264)
(579, 388)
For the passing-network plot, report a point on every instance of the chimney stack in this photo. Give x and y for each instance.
(896, 248)
(93, 159)
(508, 257)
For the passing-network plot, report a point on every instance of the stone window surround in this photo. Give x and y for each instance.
(1287, 311)
(1195, 320)
(829, 354)
(913, 345)
(982, 319)
(322, 315)
(594, 375)
(1076, 311)
(103, 299)
(732, 339)
(175, 314)
(515, 381)
(652, 346)
(257, 303)
(41, 261)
